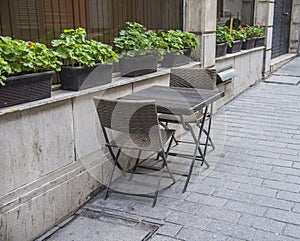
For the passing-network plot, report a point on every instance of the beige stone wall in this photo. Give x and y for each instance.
(200, 18)
(295, 28)
(51, 159)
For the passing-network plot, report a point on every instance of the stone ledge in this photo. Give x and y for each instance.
(242, 52)
(60, 95)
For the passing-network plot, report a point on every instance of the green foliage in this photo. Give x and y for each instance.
(223, 35)
(176, 41)
(136, 40)
(74, 49)
(259, 32)
(172, 41)
(253, 31)
(20, 57)
(239, 34)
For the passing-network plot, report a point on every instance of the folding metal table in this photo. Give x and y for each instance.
(181, 102)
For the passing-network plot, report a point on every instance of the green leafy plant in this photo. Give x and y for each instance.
(189, 40)
(223, 35)
(177, 40)
(74, 49)
(259, 32)
(20, 57)
(239, 34)
(136, 40)
(253, 31)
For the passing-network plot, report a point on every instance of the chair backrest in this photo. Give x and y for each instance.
(135, 120)
(193, 78)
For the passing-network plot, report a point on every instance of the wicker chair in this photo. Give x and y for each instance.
(199, 79)
(191, 78)
(135, 126)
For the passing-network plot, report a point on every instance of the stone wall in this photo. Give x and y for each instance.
(51, 159)
(295, 28)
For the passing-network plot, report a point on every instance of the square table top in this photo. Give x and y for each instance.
(183, 101)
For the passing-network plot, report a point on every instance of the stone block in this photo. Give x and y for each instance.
(35, 142)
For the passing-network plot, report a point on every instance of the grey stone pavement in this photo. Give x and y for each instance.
(251, 191)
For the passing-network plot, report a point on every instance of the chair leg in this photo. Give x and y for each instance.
(136, 164)
(112, 173)
(158, 185)
(164, 159)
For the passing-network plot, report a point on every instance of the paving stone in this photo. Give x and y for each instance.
(184, 206)
(293, 179)
(268, 175)
(258, 190)
(169, 229)
(266, 236)
(218, 182)
(296, 165)
(293, 231)
(206, 200)
(252, 165)
(296, 208)
(289, 196)
(146, 210)
(284, 216)
(281, 185)
(237, 178)
(285, 170)
(163, 238)
(232, 169)
(199, 235)
(245, 208)
(232, 195)
(236, 231)
(264, 154)
(188, 220)
(276, 162)
(200, 188)
(219, 214)
(272, 202)
(261, 223)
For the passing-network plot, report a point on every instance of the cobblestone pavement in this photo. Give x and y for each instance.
(252, 190)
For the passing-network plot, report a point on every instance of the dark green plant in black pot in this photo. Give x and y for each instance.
(26, 71)
(87, 63)
(138, 49)
(178, 46)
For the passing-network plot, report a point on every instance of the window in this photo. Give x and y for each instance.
(241, 9)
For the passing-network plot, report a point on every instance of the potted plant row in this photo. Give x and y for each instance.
(232, 41)
(27, 68)
(87, 63)
(26, 71)
(139, 49)
(255, 36)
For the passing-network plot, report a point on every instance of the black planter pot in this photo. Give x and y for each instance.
(138, 65)
(173, 60)
(82, 77)
(26, 88)
(248, 44)
(221, 49)
(260, 41)
(236, 47)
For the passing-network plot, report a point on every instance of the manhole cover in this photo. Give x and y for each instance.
(95, 226)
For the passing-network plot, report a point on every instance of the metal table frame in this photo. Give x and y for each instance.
(167, 101)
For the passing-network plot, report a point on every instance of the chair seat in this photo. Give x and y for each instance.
(139, 142)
